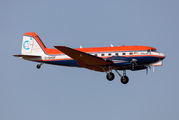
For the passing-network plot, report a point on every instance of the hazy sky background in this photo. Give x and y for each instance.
(62, 93)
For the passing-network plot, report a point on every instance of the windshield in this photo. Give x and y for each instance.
(151, 50)
(154, 50)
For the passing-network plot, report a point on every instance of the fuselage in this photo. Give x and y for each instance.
(143, 54)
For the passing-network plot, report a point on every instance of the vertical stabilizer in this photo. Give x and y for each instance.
(32, 45)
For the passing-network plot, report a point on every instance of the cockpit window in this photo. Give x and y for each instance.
(150, 50)
(154, 50)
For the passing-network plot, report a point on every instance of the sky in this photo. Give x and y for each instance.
(56, 92)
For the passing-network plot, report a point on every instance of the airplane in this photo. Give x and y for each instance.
(101, 59)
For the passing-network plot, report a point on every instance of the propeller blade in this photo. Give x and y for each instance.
(147, 71)
(153, 69)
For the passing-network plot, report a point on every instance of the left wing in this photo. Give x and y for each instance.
(84, 59)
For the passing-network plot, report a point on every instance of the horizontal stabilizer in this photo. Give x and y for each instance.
(24, 56)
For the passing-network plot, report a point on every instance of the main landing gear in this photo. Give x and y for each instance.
(110, 76)
(39, 65)
(124, 79)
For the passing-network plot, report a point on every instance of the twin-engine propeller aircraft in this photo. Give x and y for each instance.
(102, 59)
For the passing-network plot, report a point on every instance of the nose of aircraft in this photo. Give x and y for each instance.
(162, 56)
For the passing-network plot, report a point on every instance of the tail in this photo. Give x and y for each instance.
(32, 45)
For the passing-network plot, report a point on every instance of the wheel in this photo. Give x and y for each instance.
(110, 76)
(124, 79)
(38, 66)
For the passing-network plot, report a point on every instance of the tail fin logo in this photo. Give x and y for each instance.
(26, 45)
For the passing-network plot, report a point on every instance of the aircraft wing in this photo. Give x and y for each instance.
(84, 59)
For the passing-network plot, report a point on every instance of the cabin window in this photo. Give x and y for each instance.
(95, 55)
(123, 53)
(116, 54)
(130, 53)
(102, 54)
(109, 54)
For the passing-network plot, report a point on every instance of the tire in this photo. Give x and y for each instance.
(124, 79)
(110, 76)
(38, 66)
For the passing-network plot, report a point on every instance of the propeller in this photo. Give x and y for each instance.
(150, 68)
(153, 69)
(147, 70)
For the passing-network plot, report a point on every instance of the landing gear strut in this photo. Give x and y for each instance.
(110, 76)
(124, 78)
(39, 65)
